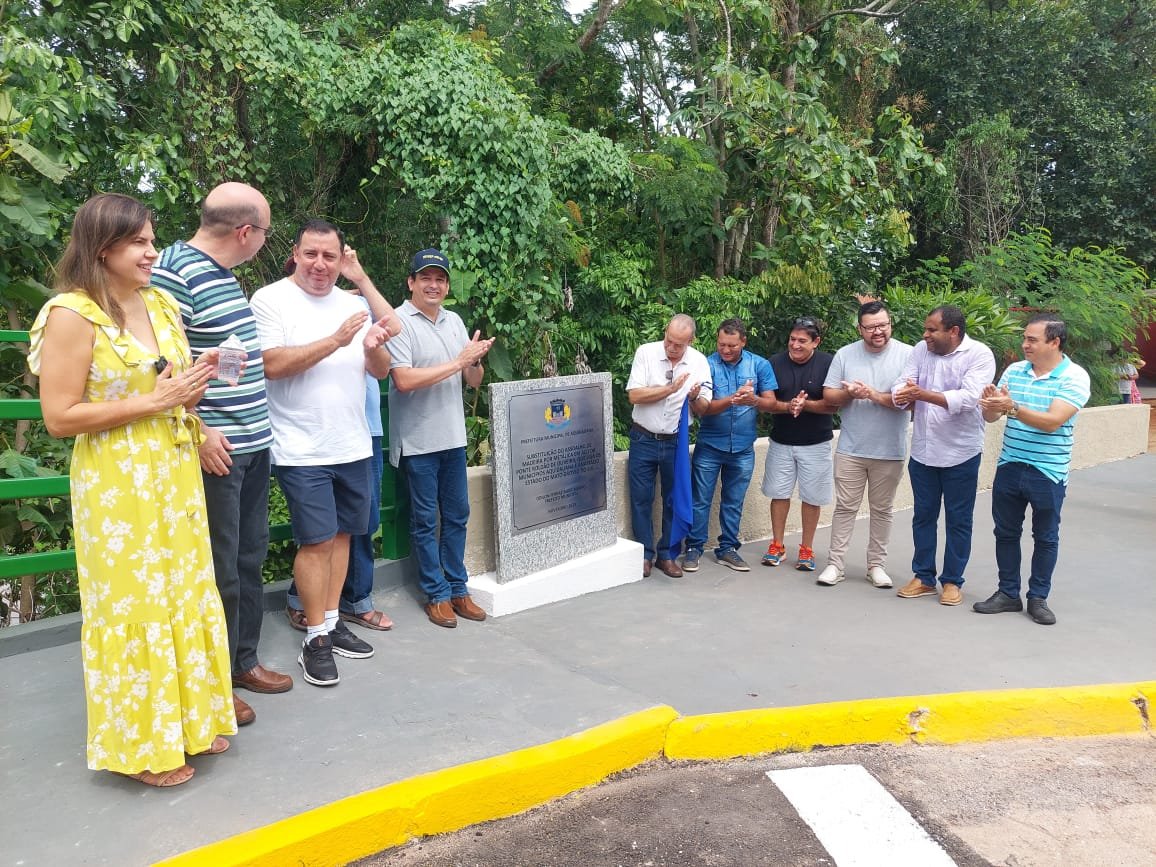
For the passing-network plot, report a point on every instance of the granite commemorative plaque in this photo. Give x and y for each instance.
(557, 456)
(552, 442)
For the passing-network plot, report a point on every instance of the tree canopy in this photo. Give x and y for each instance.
(588, 173)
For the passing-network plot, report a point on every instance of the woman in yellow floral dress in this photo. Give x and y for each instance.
(115, 373)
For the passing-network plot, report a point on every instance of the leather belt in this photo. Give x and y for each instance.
(654, 436)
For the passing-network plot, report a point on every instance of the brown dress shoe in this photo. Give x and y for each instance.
(245, 714)
(669, 567)
(915, 588)
(646, 567)
(951, 595)
(441, 614)
(465, 607)
(260, 679)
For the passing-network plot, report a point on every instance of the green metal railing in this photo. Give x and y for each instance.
(394, 503)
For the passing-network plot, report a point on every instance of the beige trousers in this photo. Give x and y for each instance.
(879, 478)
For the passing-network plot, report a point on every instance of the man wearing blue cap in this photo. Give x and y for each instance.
(432, 356)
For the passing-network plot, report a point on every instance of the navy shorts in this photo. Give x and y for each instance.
(326, 500)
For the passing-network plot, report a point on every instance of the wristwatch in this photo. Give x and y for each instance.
(1014, 412)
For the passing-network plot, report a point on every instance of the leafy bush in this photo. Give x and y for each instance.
(913, 296)
(1105, 298)
(279, 561)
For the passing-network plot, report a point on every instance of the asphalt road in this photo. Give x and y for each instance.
(1083, 802)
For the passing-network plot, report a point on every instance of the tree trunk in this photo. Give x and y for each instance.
(714, 135)
(774, 201)
(606, 8)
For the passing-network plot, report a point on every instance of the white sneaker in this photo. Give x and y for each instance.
(830, 576)
(878, 577)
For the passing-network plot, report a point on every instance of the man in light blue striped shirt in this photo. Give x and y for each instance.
(1040, 397)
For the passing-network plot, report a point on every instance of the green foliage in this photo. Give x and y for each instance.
(32, 526)
(1078, 77)
(716, 159)
(278, 563)
(802, 179)
(982, 198)
(933, 283)
(1105, 298)
(792, 292)
(679, 184)
(588, 169)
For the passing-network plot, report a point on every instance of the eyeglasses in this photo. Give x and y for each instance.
(264, 229)
(670, 375)
(882, 326)
(806, 322)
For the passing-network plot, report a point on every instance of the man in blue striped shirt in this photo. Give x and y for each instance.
(235, 418)
(1040, 397)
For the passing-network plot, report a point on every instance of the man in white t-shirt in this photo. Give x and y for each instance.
(872, 440)
(318, 343)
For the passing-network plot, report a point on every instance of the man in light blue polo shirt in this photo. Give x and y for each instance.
(1040, 397)
(743, 384)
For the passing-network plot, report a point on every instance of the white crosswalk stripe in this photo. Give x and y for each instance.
(856, 819)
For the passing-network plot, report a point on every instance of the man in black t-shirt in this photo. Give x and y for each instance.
(801, 434)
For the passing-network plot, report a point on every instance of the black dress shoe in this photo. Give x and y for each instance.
(1039, 612)
(998, 603)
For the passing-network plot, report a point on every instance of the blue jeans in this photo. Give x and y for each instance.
(1016, 487)
(357, 592)
(238, 510)
(955, 488)
(650, 458)
(437, 488)
(736, 469)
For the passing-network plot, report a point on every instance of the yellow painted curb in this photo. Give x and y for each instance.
(932, 719)
(442, 801)
(455, 798)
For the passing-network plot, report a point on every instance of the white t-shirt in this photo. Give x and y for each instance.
(318, 416)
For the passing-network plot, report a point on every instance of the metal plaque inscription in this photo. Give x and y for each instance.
(557, 456)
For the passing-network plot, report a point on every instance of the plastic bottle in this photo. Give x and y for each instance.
(233, 355)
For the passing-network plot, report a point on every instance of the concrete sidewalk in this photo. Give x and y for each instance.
(713, 641)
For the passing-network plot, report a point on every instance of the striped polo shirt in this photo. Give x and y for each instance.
(1050, 453)
(213, 307)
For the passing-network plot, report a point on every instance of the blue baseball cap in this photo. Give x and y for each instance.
(429, 258)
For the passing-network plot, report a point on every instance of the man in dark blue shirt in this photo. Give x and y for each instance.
(744, 385)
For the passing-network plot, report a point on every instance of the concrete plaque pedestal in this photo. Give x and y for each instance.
(621, 563)
(555, 507)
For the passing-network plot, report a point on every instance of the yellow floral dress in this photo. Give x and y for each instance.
(155, 651)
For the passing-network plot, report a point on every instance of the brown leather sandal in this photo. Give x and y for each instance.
(165, 779)
(378, 620)
(218, 746)
(296, 619)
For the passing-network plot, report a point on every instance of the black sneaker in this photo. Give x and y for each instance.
(316, 661)
(347, 644)
(1039, 612)
(998, 603)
